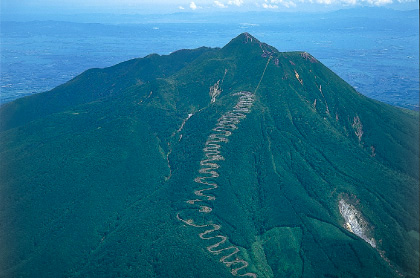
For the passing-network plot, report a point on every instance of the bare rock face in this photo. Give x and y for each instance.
(358, 127)
(355, 223)
(215, 91)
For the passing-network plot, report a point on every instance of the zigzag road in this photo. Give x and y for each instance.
(207, 175)
(206, 178)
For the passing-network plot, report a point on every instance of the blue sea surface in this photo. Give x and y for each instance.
(379, 57)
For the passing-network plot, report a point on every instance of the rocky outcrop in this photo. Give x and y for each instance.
(215, 91)
(358, 127)
(355, 222)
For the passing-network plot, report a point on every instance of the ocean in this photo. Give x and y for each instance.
(377, 54)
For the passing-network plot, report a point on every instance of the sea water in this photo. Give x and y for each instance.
(378, 57)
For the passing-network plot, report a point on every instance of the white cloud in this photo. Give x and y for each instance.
(325, 2)
(236, 2)
(275, 4)
(349, 2)
(355, 2)
(219, 4)
(269, 6)
(289, 4)
(380, 2)
(181, 8)
(286, 4)
(193, 6)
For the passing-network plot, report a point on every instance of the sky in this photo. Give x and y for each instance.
(172, 6)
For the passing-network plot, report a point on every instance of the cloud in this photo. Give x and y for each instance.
(324, 2)
(181, 8)
(269, 6)
(236, 2)
(379, 2)
(275, 4)
(289, 4)
(349, 2)
(193, 6)
(353, 2)
(286, 4)
(220, 5)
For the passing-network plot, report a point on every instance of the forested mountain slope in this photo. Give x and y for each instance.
(238, 161)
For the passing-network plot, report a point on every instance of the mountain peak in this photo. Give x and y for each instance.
(252, 43)
(246, 38)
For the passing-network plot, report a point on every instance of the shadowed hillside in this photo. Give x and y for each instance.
(238, 161)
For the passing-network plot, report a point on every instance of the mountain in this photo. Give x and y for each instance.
(213, 162)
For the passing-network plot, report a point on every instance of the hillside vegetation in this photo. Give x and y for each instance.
(213, 162)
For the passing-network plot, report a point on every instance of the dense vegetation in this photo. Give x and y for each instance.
(95, 172)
